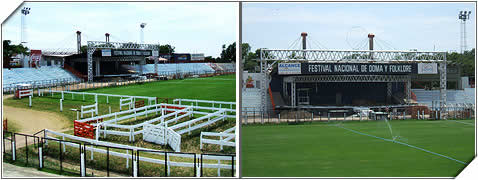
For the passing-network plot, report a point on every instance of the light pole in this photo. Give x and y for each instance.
(141, 35)
(463, 16)
(25, 11)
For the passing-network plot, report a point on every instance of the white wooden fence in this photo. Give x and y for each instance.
(225, 138)
(127, 102)
(89, 109)
(188, 159)
(222, 104)
(25, 93)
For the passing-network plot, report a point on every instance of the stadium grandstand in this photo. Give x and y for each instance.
(105, 61)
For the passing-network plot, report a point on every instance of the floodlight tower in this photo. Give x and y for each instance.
(25, 11)
(141, 35)
(463, 16)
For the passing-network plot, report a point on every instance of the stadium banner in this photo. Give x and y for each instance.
(427, 68)
(117, 52)
(35, 55)
(290, 68)
(106, 52)
(197, 57)
(181, 57)
(358, 68)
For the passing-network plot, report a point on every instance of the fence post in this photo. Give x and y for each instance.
(279, 117)
(40, 156)
(62, 95)
(135, 168)
(61, 105)
(82, 159)
(30, 101)
(13, 148)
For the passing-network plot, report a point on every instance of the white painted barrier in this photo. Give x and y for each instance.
(212, 103)
(25, 93)
(225, 138)
(89, 109)
(127, 102)
(187, 163)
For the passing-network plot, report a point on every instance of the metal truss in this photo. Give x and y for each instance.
(269, 57)
(351, 56)
(94, 45)
(347, 78)
(58, 52)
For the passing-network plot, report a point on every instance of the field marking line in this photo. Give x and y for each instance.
(461, 122)
(402, 143)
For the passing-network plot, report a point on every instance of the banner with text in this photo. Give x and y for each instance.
(357, 68)
(290, 68)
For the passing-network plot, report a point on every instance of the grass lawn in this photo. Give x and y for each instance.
(218, 88)
(327, 150)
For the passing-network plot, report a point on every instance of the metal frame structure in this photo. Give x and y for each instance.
(92, 46)
(269, 57)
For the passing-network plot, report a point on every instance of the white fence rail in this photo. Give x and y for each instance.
(89, 109)
(222, 104)
(225, 138)
(219, 165)
(25, 93)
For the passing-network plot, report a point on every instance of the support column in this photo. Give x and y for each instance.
(97, 67)
(442, 70)
(389, 92)
(408, 89)
(293, 99)
(141, 64)
(156, 65)
(90, 63)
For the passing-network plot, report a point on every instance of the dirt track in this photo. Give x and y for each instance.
(31, 121)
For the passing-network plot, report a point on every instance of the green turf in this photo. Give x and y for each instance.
(326, 150)
(218, 88)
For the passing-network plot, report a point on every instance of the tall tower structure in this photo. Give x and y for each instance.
(141, 33)
(25, 11)
(463, 16)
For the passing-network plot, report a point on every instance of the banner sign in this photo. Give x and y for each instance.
(352, 68)
(35, 54)
(427, 68)
(197, 57)
(106, 52)
(358, 68)
(290, 68)
(130, 52)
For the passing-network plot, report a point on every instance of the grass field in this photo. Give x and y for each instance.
(343, 150)
(218, 88)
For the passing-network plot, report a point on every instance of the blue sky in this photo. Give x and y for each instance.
(191, 27)
(399, 26)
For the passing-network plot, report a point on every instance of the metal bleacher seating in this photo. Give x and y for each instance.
(453, 96)
(32, 75)
(165, 69)
(251, 99)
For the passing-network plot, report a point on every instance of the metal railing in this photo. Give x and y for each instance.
(452, 111)
(70, 157)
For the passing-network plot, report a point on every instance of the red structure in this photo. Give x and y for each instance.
(84, 129)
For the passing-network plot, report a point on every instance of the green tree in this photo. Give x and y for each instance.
(166, 49)
(465, 60)
(228, 53)
(9, 50)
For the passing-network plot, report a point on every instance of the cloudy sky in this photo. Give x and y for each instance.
(399, 26)
(190, 27)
